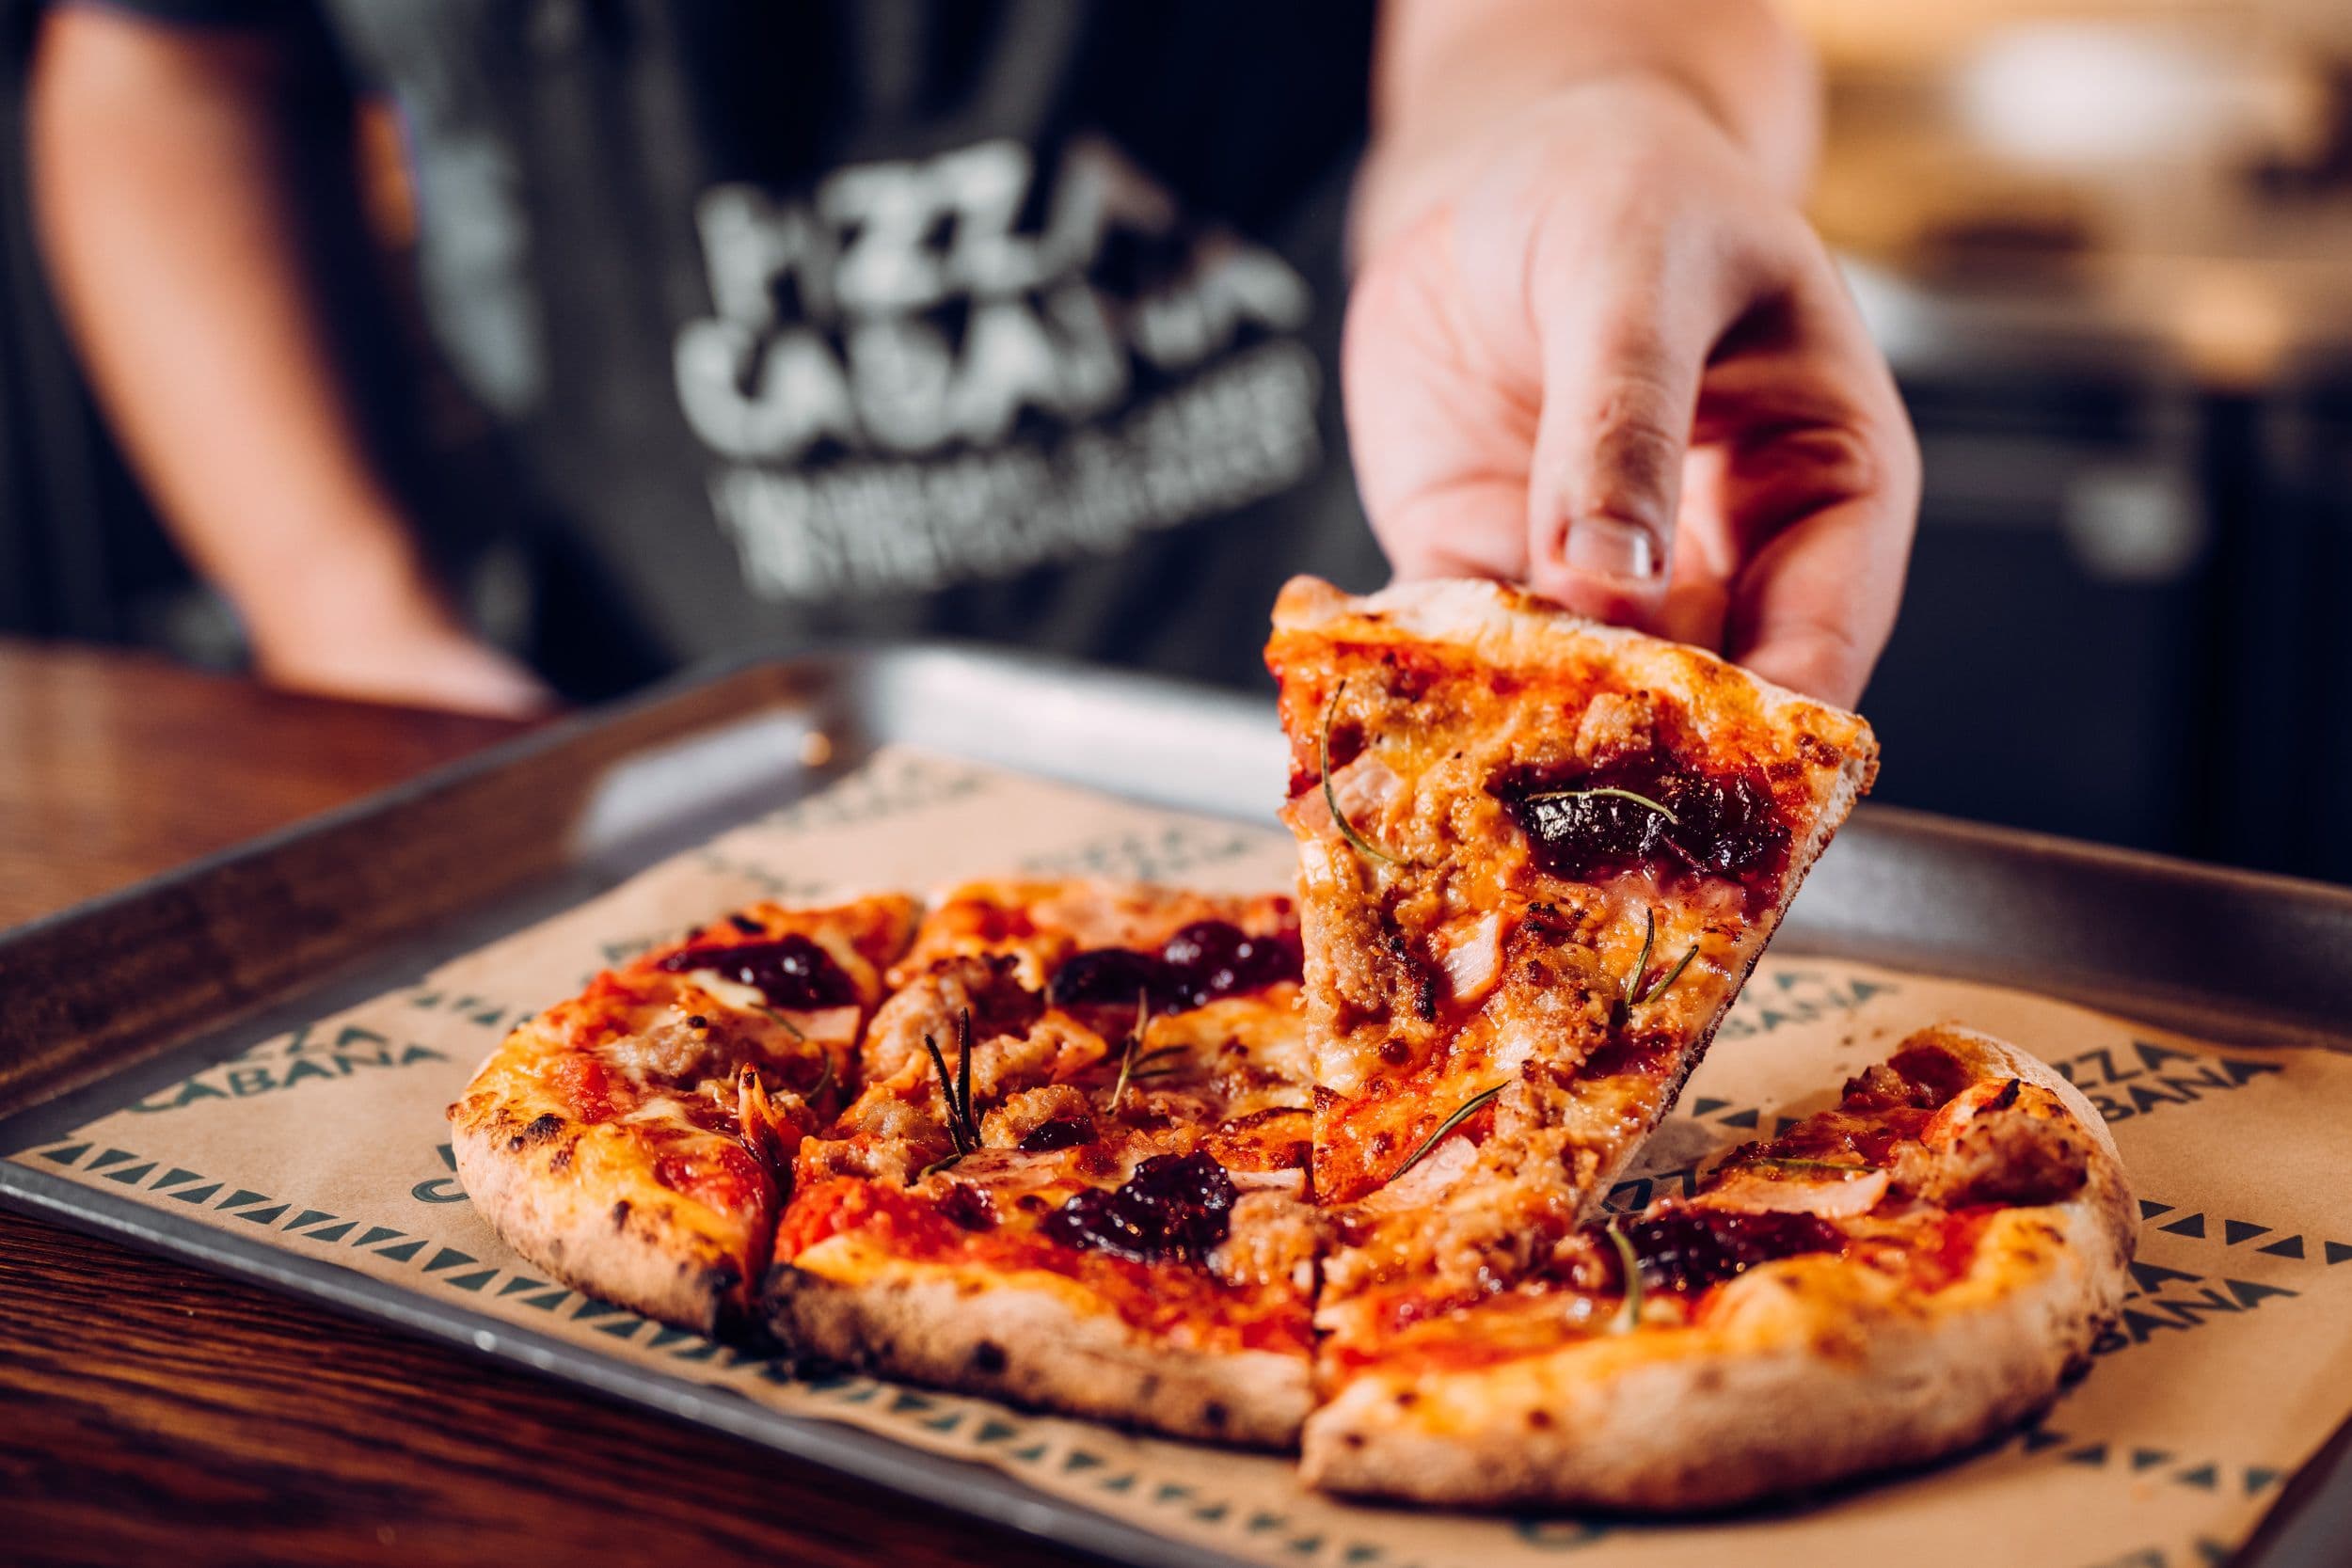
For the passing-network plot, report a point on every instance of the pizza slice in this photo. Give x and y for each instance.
(631, 1140)
(1075, 1176)
(1883, 1283)
(1538, 858)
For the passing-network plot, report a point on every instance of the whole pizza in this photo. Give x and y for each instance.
(1321, 1170)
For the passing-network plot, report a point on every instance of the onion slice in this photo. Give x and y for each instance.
(1472, 963)
(1293, 1181)
(1830, 1197)
(1364, 787)
(1430, 1175)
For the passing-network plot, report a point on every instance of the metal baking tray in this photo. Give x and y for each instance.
(107, 1000)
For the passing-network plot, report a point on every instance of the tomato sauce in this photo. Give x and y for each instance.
(719, 1176)
(585, 1087)
(1165, 1297)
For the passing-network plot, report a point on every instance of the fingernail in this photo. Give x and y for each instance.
(1605, 547)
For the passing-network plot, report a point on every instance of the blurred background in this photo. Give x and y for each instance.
(2107, 245)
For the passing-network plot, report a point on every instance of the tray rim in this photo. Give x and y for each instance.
(500, 756)
(978, 1490)
(971, 1488)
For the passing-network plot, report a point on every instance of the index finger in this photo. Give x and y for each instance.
(1821, 489)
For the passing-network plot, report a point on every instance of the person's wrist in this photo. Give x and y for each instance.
(395, 642)
(1621, 112)
(370, 589)
(1633, 104)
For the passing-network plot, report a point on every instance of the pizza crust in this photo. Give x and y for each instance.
(1824, 1394)
(1033, 1338)
(551, 1191)
(1506, 628)
(583, 1200)
(1809, 1370)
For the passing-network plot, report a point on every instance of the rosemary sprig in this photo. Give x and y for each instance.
(1634, 796)
(1154, 1063)
(1641, 966)
(1628, 1315)
(1128, 1049)
(962, 1131)
(824, 1079)
(1669, 977)
(1330, 797)
(963, 1074)
(1636, 995)
(1461, 1114)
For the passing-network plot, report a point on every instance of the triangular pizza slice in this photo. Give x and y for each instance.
(1538, 857)
(634, 1141)
(1075, 1173)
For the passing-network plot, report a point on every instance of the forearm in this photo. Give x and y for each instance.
(170, 221)
(1449, 74)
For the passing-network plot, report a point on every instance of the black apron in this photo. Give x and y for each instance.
(1009, 321)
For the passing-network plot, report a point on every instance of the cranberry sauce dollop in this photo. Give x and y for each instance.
(790, 972)
(1173, 1206)
(1207, 959)
(1689, 1250)
(1061, 1133)
(1722, 825)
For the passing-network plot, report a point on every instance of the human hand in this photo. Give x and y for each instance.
(396, 646)
(1616, 367)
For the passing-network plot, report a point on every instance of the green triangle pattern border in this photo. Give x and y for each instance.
(1007, 1435)
(2156, 1464)
(448, 1268)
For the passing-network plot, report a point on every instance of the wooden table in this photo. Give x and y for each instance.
(153, 1414)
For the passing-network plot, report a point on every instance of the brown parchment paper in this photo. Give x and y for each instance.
(2232, 1362)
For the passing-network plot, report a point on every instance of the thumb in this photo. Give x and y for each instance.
(1622, 353)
